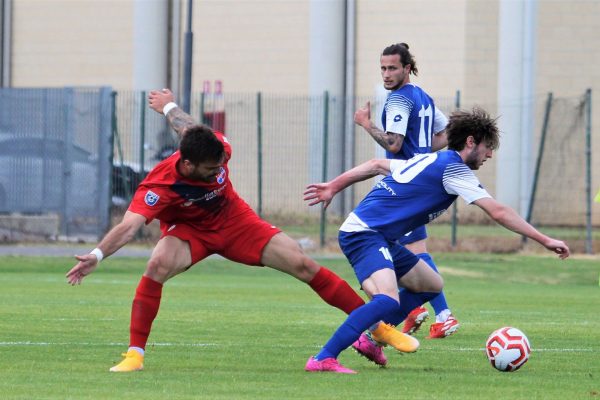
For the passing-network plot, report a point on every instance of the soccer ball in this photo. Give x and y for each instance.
(507, 349)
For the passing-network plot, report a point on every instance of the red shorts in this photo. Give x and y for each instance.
(242, 240)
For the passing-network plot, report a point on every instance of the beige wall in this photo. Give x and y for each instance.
(569, 56)
(72, 43)
(263, 45)
(252, 45)
(481, 68)
(568, 46)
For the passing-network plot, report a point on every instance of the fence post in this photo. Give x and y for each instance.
(588, 172)
(125, 180)
(202, 118)
(538, 162)
(454, 206)
(142, 133)
(67, 182)
(105, 158)
(259, 134)
(325, 160)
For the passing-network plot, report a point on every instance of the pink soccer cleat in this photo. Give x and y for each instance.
(413, 321)
(367, 348)
(326, 365)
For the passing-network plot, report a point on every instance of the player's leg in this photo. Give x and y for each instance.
(415, 241)
(421, 282)
(253, 241)
(284, 254)
(368, 254)
(330, 287)
(439, 304)
(382, 303)
(445, 324)
(170, 257)
(373, 266)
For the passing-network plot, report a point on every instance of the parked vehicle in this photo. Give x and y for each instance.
(34, 177)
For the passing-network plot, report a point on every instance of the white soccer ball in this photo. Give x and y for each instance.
(507, 349)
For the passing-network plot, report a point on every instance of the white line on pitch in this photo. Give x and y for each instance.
(27, 343)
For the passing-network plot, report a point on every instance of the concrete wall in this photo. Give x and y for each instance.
(264, 45)
(72, 43)
(252, 46)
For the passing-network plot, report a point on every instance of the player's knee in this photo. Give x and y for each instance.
(436, 284)
(304, 268)
(308, 268)
(158, 269)
(433, 283)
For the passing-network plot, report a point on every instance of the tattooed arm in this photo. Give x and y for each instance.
(392, 142)
(178, 119)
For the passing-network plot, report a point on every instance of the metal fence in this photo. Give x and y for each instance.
(280, 143)
(562, 187)
(55, 156)
(283, 142)
(77, 152)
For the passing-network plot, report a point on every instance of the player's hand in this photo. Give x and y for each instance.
(158, 99)
(362, 116)
(318, 193)
(86, 265)
(559, 247)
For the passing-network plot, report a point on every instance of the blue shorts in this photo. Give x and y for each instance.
(417, 234)
(369, 252)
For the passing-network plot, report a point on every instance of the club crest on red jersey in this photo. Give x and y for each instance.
(151, 198)
(221, 176)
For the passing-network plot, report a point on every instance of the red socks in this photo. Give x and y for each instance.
(335, 291)
(143, 311)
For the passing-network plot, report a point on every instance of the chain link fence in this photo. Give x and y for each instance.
(55, 157)
(280, 144)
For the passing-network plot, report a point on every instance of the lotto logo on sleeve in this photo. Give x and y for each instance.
(151, 198)
(398, 118)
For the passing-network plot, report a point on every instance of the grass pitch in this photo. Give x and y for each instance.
(227, 331)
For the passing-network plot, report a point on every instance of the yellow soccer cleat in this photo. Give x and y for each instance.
(388, 335)
(133, 361)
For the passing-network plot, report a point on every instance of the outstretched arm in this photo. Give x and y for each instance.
(509, 218)
(118, 236)
(392, 142)
(324, 192)
(178, 119)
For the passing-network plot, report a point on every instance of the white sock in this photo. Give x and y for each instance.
(443, 315)
(138, 349)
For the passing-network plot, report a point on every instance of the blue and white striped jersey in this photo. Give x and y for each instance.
(416, 192)
(410, 112)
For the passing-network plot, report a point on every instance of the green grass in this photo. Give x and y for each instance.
(231, 332)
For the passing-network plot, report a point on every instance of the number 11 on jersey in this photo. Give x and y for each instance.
(426, 117)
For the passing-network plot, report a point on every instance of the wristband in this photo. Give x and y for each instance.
(168, 107)
(98, 253)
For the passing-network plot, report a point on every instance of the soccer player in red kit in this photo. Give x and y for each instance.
(200, 214)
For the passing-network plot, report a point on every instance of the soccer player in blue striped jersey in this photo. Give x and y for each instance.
(411, 125)
(413, 193)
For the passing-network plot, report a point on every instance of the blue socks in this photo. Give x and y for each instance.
(357, 322)
(408, 302)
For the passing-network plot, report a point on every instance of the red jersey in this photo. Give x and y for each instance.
(171, 198)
